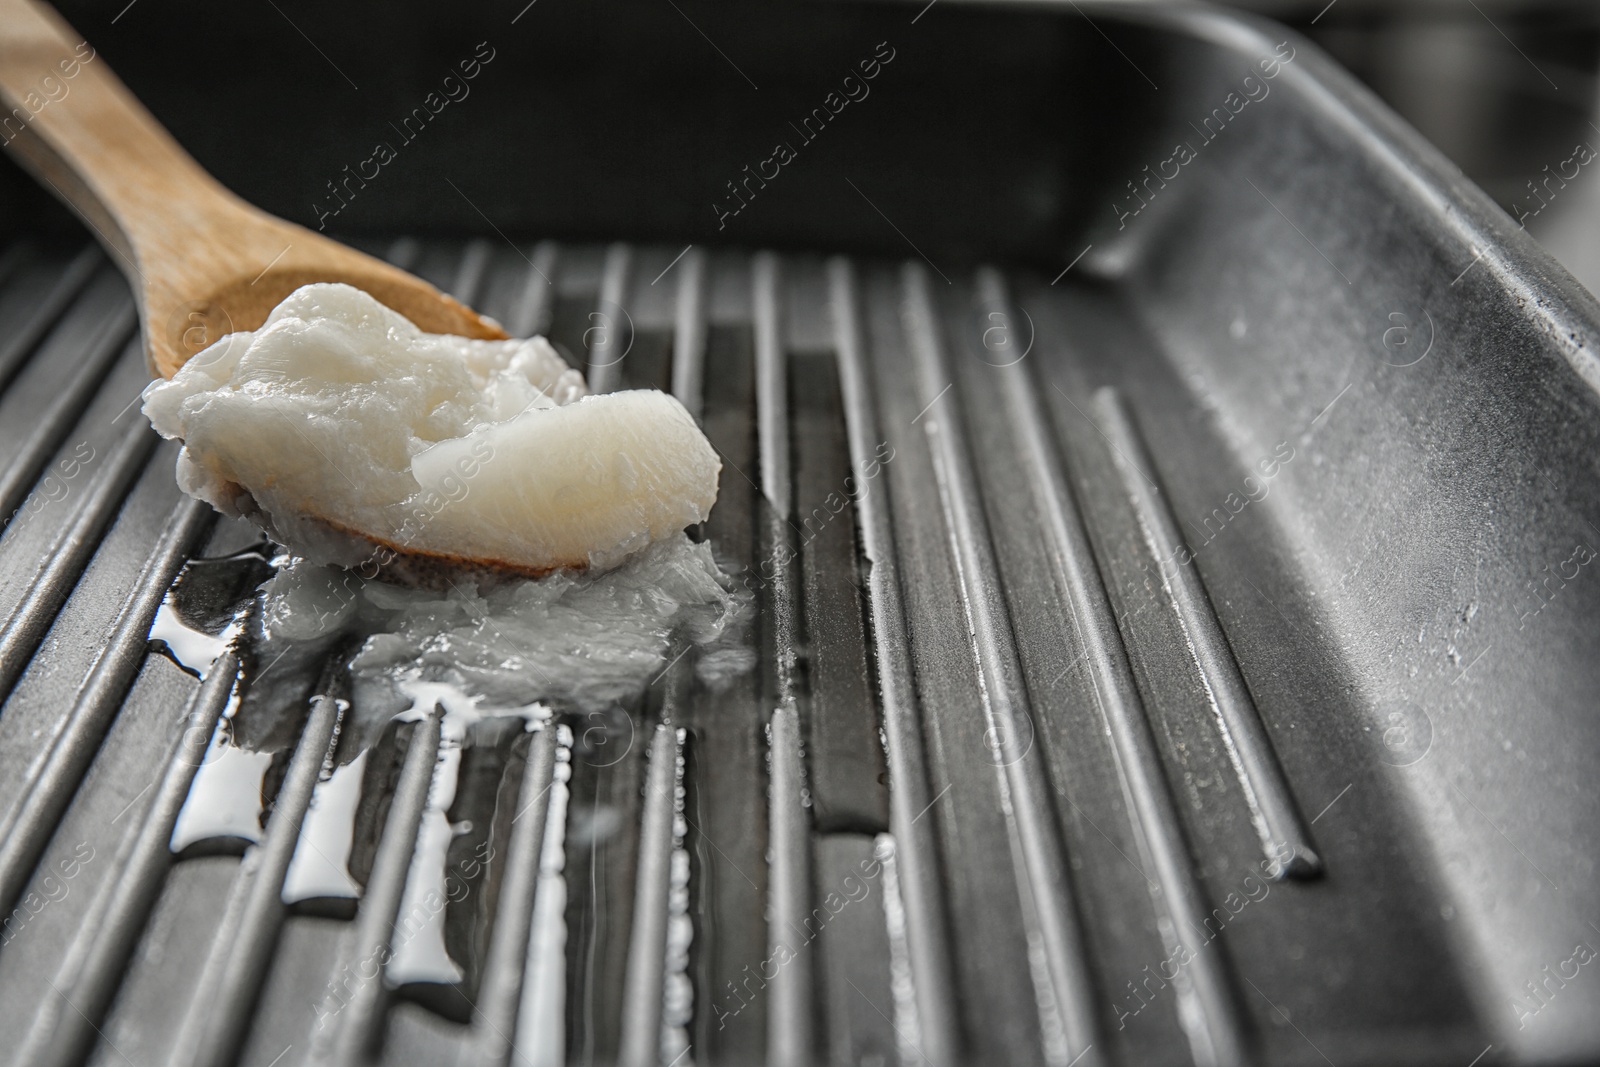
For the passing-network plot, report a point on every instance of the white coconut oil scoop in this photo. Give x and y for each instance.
(359, 415)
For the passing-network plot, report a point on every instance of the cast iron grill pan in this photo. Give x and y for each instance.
(1147, 670)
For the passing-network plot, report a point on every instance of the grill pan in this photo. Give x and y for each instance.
(1176, 624)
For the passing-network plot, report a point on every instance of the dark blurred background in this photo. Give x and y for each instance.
(277, 96)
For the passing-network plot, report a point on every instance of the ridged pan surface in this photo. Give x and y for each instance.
(1185, 656)
(1013, 785)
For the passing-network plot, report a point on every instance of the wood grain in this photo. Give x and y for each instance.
(202, 262)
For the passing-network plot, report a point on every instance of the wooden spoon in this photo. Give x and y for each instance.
(202, 262)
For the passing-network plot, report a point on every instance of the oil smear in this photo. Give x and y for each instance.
(419, 949)
(205, 608)
(224, 802)
(541, 1017)
(320, 868)
(419, 954)
(205, 611)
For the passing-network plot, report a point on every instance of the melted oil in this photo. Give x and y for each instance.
(541, 1018)
(587, 644)
(320, 868)
(205, 608)
(225, 802)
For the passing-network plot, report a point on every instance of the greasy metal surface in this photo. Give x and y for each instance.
(1085, 607)
(1022, 796)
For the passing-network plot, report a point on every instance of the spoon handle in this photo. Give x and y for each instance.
(67, 118)
(202, 262)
